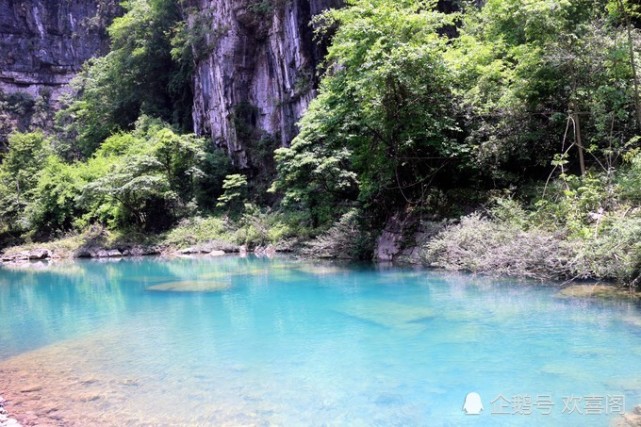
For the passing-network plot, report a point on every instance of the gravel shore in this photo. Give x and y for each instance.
(5, 420)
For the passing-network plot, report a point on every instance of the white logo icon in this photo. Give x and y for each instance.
(473, 404)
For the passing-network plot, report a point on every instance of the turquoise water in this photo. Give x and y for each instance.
(284, 342)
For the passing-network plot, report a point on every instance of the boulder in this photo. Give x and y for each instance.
(141, 251)
(100, 253)
(195, 250)
(39, 254)
(404, 237)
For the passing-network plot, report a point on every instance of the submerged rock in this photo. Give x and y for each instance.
(191, 286)
(323, 270)
(5, 420)
(598, 290)
(390, 314)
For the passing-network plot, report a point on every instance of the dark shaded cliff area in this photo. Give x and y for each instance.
(260, 75)
(43, 44)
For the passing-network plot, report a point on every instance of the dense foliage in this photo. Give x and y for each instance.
(146, 179)
(385, 121)
(147, 71)
(403, 107)
(526, 91)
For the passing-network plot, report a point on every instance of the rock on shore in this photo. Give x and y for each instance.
(5, 420)
(43, 254)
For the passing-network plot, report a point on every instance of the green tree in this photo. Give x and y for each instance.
(385, 120)
(235, 193)
(138, 76)
(19, 174)
(55, 207)
(539, 77)
(151, 180)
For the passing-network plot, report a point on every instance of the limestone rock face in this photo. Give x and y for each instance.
(43, 43)
(257, 74)
(404, 238)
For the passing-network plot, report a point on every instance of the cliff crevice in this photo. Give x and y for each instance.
(260, 74)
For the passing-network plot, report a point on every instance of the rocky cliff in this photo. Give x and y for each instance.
(255, 62)
(257, 74)
(43, 43)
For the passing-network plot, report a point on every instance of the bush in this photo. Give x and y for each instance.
(259, 227)
(482, 245)
(614, 251)
(346, 239)
(254, 228)
(506, 245)
(20, 170)
(197, 230)
(235, 193)
(55, 207)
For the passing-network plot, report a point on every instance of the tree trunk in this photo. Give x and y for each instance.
(633, 65)
(578, 140)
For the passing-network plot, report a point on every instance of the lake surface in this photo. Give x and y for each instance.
(248, 341)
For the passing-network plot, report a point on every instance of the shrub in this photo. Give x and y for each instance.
(346, 239)
(614, 251)
(482, 245)
(198, 230)
(259, 227)
(20, 170)
(235, 193)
